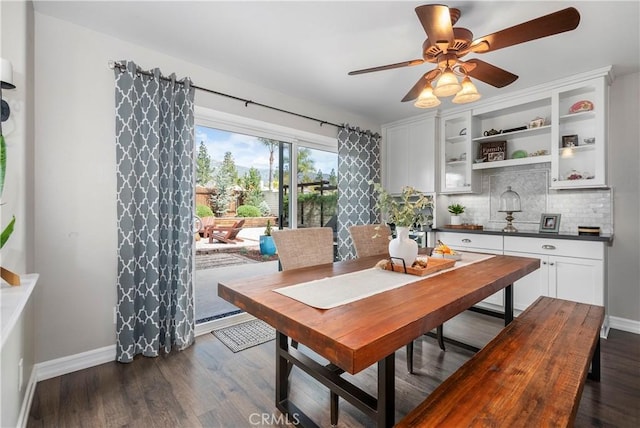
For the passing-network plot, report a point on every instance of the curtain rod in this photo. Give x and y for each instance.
(122, 67)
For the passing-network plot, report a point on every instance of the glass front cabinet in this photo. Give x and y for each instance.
(579, 137)
(456, 156)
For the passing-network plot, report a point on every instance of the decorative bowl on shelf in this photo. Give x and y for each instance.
(582, 105)
(519, 154)
(479, 160)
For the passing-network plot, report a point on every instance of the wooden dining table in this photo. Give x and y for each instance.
(358, 334)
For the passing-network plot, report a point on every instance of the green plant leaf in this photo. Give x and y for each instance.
(3, 162)
(6, 233)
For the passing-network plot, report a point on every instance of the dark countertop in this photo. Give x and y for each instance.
(608, 238)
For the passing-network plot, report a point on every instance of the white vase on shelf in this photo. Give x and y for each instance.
(456, 220)
(403, 247)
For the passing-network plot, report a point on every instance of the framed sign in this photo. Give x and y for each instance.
(493, 151)
(569, 140)
(550, 223)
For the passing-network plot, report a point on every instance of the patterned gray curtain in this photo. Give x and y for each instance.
(358, 163)
(154, 149)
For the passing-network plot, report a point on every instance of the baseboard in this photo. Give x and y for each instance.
(84, 360)
(624, 324)
(23, 416)
(72, 363)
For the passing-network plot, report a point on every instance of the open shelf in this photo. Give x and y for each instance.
(512, 162)
(523, 132)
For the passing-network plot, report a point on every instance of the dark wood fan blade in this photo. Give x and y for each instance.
(420, 84)
(388, 67)
(416, 90)
(436, 21)
(548, 25)
(489, 74)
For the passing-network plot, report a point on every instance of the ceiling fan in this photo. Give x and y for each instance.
(446, 45)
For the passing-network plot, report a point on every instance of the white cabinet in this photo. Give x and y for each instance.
(571, 135)
(571, 270)
(456, 155)
(409, 153)
(579, 137)
(491, 244)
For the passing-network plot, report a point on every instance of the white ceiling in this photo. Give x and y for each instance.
(305, 49)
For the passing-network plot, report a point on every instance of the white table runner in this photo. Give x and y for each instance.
(327, 293)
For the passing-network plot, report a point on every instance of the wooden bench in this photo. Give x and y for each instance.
(531, 374)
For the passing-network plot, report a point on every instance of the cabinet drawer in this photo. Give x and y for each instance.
(555, 247)
(471, 240)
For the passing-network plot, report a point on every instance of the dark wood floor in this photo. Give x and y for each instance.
(209, 386)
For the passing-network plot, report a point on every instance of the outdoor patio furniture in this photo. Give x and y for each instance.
(225, 234)
(206, 222)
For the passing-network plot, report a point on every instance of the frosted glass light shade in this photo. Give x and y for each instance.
(6, 74)
(509, 201)
(468, 93)
(426, 98)
(447, 84)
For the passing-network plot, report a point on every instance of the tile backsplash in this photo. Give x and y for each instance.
(584, 207)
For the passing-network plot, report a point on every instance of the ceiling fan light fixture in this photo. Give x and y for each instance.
(426, 98)
(468, 94)
(447, 84)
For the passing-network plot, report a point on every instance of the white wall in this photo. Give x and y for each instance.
(75, 166)
(16, 36)
(624, 177)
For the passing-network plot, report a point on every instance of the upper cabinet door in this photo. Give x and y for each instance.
(579, 135)
(409, 149)
(456, 156)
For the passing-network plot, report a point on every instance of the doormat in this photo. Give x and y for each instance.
(245, 335)
(216, 260)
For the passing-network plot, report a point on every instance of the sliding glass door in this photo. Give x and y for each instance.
(238, 191)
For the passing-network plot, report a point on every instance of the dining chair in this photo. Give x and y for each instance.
(299, 248)
(372, 240)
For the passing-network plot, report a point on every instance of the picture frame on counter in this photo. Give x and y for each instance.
(550, 223)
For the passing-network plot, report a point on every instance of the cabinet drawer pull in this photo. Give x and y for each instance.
(548, 247)
(466, 240)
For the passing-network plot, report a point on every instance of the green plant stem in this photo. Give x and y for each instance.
(6, 233)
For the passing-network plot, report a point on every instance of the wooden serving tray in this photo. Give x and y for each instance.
(434, 264)
(464, 226)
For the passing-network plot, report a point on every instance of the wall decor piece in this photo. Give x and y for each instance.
(493, 151)
(550, 223)
(569, 140)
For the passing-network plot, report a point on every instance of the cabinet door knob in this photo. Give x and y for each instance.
(555, 179)
(548, 247)
(551, 264)
(544, 263)
(466, 240)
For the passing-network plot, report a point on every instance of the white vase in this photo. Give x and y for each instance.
(403, 247)
(456, 220)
